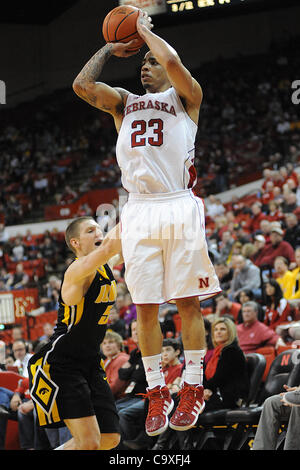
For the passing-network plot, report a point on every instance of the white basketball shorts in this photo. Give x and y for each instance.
(164, 248)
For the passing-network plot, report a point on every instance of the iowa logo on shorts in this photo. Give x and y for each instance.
(44, 391)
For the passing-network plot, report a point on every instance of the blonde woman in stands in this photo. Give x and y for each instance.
(225, 377)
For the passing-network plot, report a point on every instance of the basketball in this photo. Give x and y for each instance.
(119, 25)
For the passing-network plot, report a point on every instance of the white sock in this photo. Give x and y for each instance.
(194, 366)
(60, 447)
(153, 371)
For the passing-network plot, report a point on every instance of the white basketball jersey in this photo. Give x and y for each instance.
(156, 143)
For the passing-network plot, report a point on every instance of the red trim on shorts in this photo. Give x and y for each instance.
(198, 295)
(179, 298)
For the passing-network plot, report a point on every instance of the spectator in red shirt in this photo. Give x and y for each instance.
(265, 229)
(254, 334)
(120, 305)
(226, 306)
(68, 196)
(267, 174)
(277, 308)
(257, 216)
(291, 173)
(267, 194)
(277, 247)
(112, 347)
(259, 243)
(274, 212)
(171, 365)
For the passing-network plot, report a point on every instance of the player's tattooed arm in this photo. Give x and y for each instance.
(98, 94)
(85, 85)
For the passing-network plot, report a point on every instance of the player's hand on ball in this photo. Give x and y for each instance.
(144, 23)
(120, 49)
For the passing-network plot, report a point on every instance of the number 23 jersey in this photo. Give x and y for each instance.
(156, 144)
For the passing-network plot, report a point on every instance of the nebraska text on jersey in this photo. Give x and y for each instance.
(156, 142)
(158, 105)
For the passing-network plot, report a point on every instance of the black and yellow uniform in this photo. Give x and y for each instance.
(67, 378)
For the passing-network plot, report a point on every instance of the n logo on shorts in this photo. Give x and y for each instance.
(44, 391)
(203, 282)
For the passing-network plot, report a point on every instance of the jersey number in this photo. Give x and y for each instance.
(107, 294)
(136, 137)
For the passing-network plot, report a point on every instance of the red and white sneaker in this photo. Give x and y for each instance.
(160, 405)
(189, 408)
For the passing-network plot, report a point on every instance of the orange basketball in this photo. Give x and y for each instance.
(119, 25)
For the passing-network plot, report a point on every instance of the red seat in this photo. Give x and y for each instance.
(10, 380)
(177, 321)
(269, 353)
(129, 344)
(280, 349)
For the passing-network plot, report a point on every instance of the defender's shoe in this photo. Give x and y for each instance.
(190, 406)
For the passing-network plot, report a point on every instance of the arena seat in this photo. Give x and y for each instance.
(129, 344)
(281, 349)
(244, 421)
(269, 353)
(10, 380)
(177, 321)
(212, 423)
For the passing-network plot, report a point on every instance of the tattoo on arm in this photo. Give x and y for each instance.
(91, 72)
(93, 68)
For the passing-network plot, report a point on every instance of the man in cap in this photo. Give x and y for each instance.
(277, 247)
(259, 243)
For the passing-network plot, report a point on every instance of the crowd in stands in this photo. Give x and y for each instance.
(251, 126)
(43, 144)
(253, 240)
(258, 265)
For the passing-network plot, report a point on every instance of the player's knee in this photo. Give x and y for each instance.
(147, 314)
(90, 442)
(189, 307)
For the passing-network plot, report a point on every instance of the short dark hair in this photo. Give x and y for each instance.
(174, 343)
(72, 230)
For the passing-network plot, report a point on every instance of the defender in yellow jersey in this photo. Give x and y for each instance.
(67, 381)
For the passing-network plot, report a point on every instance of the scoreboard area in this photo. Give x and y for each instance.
(172, 12)
(175, 6)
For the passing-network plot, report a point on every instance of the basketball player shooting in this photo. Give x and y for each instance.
(155, 147)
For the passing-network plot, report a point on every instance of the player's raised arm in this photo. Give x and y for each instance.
(180, 78)
(98, 94)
